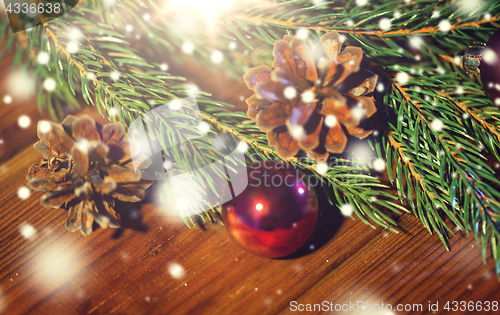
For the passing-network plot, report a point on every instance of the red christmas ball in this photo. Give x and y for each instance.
(490, 68)
(277, 212)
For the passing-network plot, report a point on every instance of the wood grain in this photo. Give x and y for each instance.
(125, 271)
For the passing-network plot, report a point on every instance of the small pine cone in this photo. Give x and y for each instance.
(85, 167)
(303, 102)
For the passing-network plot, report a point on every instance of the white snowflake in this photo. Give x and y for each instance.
(349, 23)
(437, 125)
(73, 47)
(43, 58)
(347, 210)
(175, 105)
(384, 24)
(7, 99)
(24, 121)
(242, 147)
(192, 90)
(308, 96)
(115, 75)
(129, 28)
(402, 78)
(444, 26)
(44, 126)
(302, 33)
(168, 164)
(380, 87)
(416, 41)
(322, 168)
(489, 56)
(361, 3)
(457, 60)
(203, 127)
(217, 56)
(290, 92)
(435, 14)
(487, 16)
(459, 90)
(397, 14)
(113, 111)
(27, 231)
(232, 45)
(331, 121)
(440, 70)
(90, 76)
(176, 270)
(163, 67)
(146, 17)
(296, 131)
(497, 101)
(49, 84)
(23, 193)
(379, 165)
(188, 48)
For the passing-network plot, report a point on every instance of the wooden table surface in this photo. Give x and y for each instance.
(125, 271)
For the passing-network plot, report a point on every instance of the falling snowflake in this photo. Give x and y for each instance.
(43, 58)
(440, 70)
(308, 96)
(115, 75)
(176, 270)
(358, 112)
(146, 17)
(73, 47)
(7, 99)
(302, 33)
(437, 125)
(379, 165)
(23, 193)
(435, 14)
(457, 60)
(489, 56)
(203, 127)
(322, 168)
(175, 105)
(44, 126)
(113, 112)
(402, 78)
(290, 92)
(49, 84)
(416, 41)
(168, 164)
(487, 16)
(241, 98)
(380, 87)
(296, 131)
(163, 67)
(330, 121)
(24, 121)
(349, 23)
(232, 45)
(129, 28)
(384, 24)
(497, 101)
(444, 26)
(27, 231)
(188, 48)
(397, 14)
(347, 210)
(459, 90)
(311, 247)
(361, 3)
(217, 56)
(242, 147)
(91, 76)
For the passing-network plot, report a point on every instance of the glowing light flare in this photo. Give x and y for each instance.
(301, 190)
(259, 207)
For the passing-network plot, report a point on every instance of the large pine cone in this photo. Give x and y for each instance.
(85, 167)
(302, 103)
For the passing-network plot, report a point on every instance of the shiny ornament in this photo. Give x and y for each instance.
(484, 59)
(309, 94)
(276, 213)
